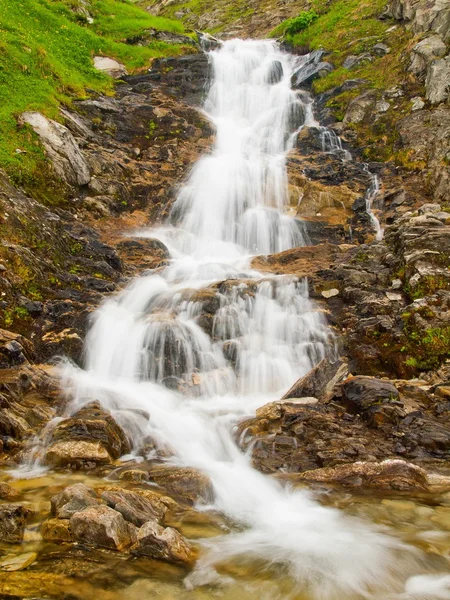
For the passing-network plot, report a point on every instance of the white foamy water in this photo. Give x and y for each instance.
(181, 356)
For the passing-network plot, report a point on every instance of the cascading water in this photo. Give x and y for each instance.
(170, 374)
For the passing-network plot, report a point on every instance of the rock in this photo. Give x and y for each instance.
(425, 52)
(188, 484)
(274, 410)
(422, 15)
(56, 530)
(331, 293)
(13, 518)
(18, 563)
(360, 107)
(307, 74)
(73, 499)
(61, 147)
(381, 49)
(7, 492)
(92, 423)
(360, 393)
(417, 103)
(437, 83)
(102, 526)
(134, 507)
(355, 61)
(77, 454)
(110, 66)
(390, 474)
(163, 544)
(14, 349)
(12, 424)
(319, 382)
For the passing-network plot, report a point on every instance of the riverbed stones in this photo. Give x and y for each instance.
(163, 544)
(102, 526)
(13, 518)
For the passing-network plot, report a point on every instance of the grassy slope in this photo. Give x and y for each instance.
(46, 54)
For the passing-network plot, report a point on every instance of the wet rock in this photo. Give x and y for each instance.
(388, 475)
(77, 454)
(13, 519)
(73, 499)
(190, 485)
(163, 544)
(7, 492)
(92, 423)
(144, 253)
(102, 526)
(319, 382)
(61, 147)
(110, 66)
(56, 530)
(437, 82)
(134, 507)
(18, 563)
(12, 424)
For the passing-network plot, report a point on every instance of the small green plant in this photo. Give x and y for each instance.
(295, 24)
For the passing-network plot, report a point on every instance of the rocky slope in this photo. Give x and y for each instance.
(118, 159)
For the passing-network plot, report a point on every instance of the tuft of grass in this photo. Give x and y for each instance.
(290, 27)
(46, 53)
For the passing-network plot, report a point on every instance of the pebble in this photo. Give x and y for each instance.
(330, 293)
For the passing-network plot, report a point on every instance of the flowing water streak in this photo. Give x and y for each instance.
(152, 340)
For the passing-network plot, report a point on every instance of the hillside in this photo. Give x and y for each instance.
(46, 61)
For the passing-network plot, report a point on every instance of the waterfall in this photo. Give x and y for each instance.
(183, 354)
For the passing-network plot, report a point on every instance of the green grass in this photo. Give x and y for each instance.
(290, 27)
(46, 55)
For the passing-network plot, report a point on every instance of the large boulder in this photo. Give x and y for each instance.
(163, 544)
(13, 519)
(102, 526)
(62, 149)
